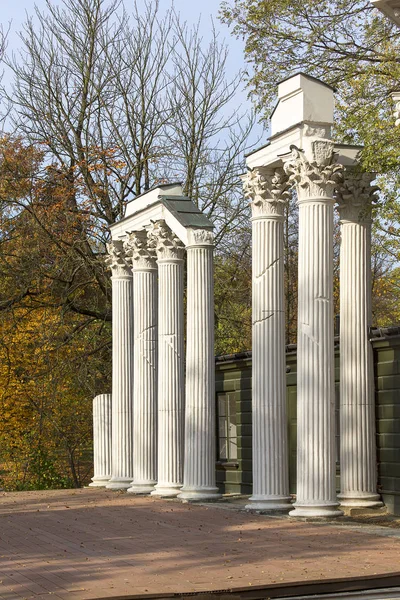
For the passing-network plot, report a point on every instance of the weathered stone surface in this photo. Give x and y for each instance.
(314, 177)
(144, 269)
(357, 399)
(101, 440)
(199, 471)
(267, 190)
(171, 387)
(122, 368)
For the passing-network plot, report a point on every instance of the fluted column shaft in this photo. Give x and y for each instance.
(316, 461)
(358, 469)
(122, 370)
(199, 471)
(144, 269)
(171, 362)
(269, 422)
(101, 440)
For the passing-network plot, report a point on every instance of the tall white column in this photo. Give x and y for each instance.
(268, 192)
(122, 369)
(144, 269)
(315, 176)
(199, 471)
(358, 468)
(171, 394)
(101, 440)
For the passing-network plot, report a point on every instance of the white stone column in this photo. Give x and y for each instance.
(268, 192)
(314, 176)
(171, 393)
(101, 440)
(199, 471)
(144, 269)
(122, 369)
(358, 468)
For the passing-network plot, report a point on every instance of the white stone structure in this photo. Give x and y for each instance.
(199, 472)
(358, 468)
(169, 224)
(101, 440)
(267, 189)
(144, 269)
(391, 8)
(301, 144)
(171, 383)
(122, 368)
(315, 177)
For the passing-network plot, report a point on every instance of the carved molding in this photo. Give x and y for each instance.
(165, 243)
(317, 131)
(318, 177)
(355, 196)
(140, 251)
(201, 237)
(117, 260)
(267, 191)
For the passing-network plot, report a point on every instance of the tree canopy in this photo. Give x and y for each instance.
(346, 43)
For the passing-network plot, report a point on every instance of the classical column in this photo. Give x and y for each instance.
(144, 270)
(101, 440)
(358, 469)
(268, 191)
(122, 369)
(171, 393)
(314, 177)
(199, 471)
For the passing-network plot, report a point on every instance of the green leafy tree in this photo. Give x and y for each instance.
(353, 47)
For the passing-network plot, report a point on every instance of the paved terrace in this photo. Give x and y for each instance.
(82, 544)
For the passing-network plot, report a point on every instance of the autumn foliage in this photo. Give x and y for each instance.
(53, 358)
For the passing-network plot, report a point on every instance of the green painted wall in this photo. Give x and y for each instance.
(387, 386)
(233, 377)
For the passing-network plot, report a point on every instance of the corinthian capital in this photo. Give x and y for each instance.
(314, 178)
(140, 252)
(355, 196)
(166, 244)
(201, 237)
(116, 259)
(267, 190)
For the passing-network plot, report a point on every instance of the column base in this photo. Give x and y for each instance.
(142, 489)
(99, 481)
(167, 491)
(313, 511)
(360, 500)
(119, 483)
(266, 504)
(202, 494)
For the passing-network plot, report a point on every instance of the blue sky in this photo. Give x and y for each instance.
(14, 12)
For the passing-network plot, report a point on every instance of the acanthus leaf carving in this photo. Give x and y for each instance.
(355, 196)
(165, 243)
(201, 237)
(140, 251)
(117, 260)
(314, 178)
(268, 191)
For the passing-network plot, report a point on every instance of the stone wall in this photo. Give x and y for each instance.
(233, 385)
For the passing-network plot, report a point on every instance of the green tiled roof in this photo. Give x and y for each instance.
(186, 212)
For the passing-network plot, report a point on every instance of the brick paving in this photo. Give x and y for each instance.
(83, 544)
